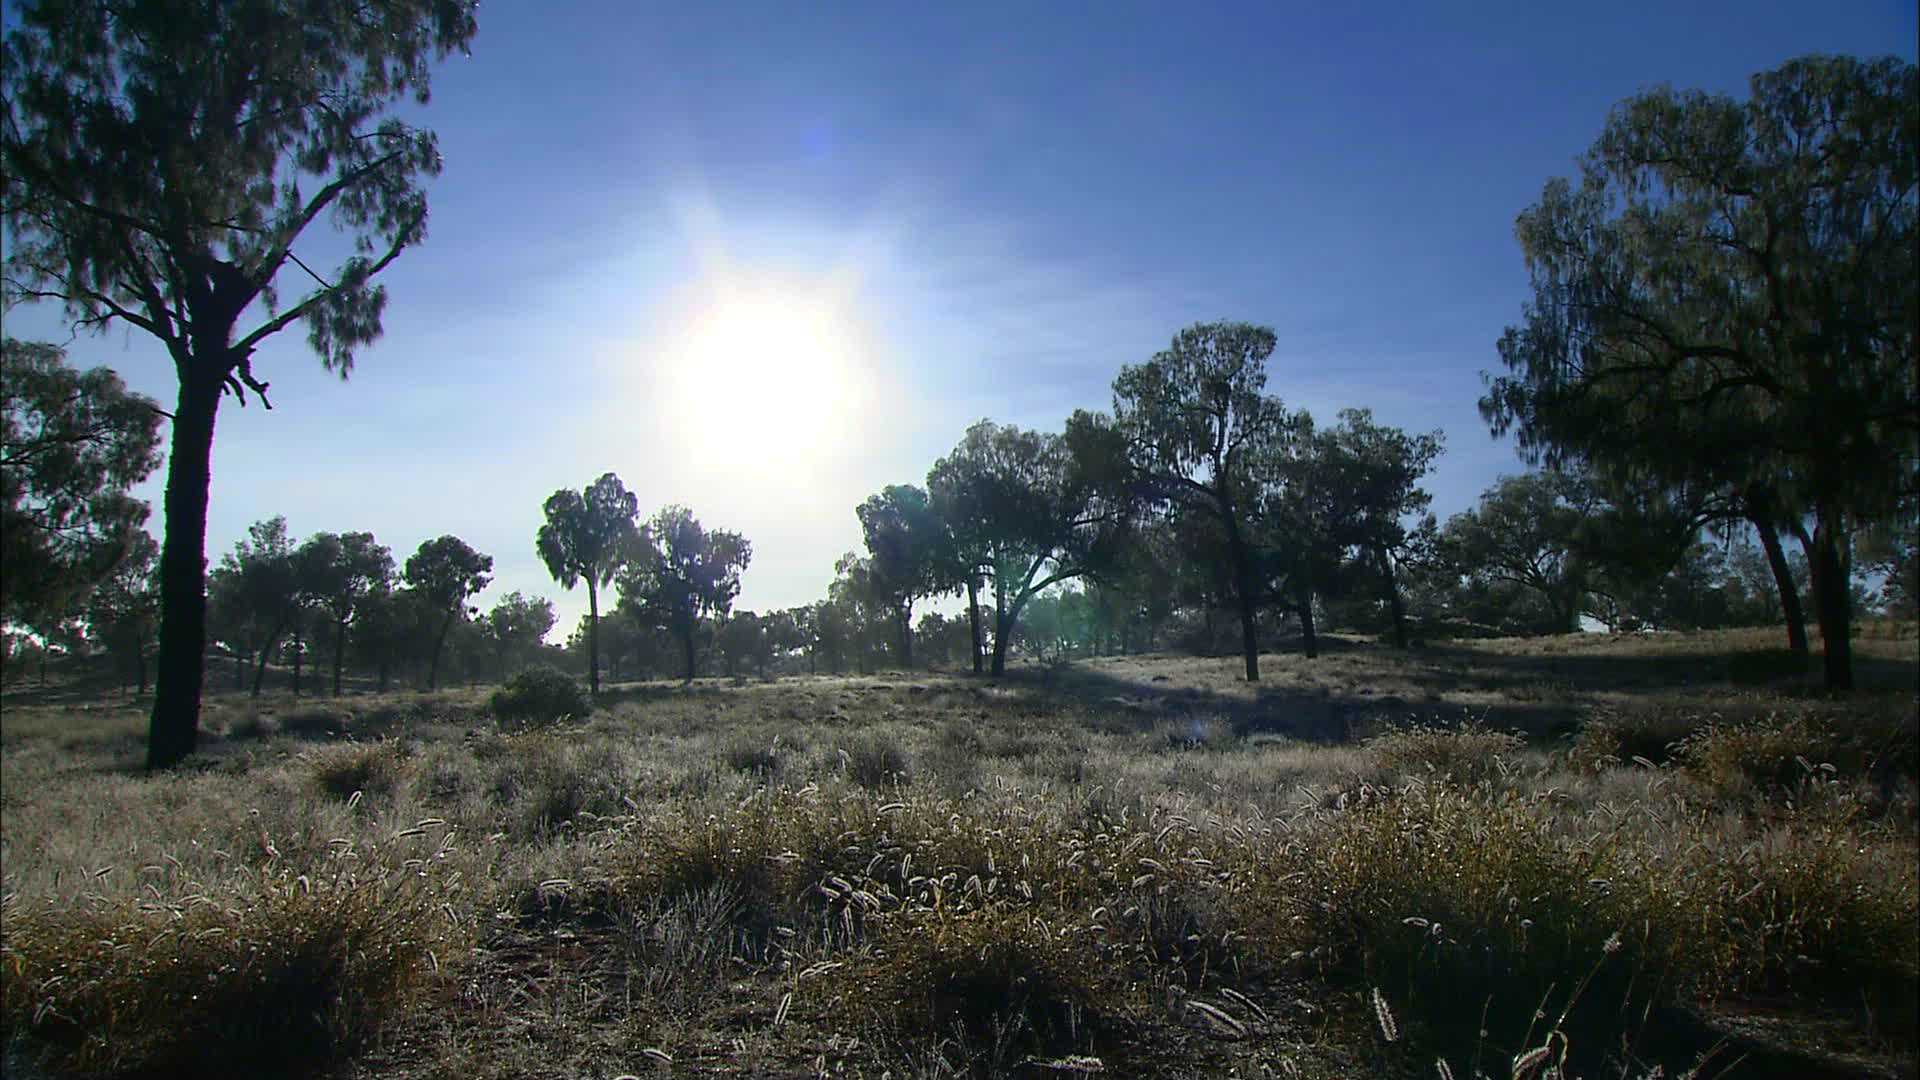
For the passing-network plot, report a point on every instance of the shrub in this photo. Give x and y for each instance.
(877, 760)
(538, 697)
(300, 971)
(344, 768)
(1617, 738)
(1469, 754)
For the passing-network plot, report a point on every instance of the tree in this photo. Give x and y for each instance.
(1196, 423)
(339, 574)
(444, 572)
(519, 623)
(161, 163)
(1728, 297)
(1524, 533)
(680, 573)
(71, 445)
(909, 554)
(124, 610)
(257, 589)
(1384, 466)
(1038, 509)
(585, 538)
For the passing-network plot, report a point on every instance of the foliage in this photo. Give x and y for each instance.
(443, 573)
(339, 574)
(680, 572)
(1031, 509)
(124, 611)
(1726, 300)
(586, 537)
(911, 554)
(1197, 426)
(517, 625)
(540, 696)
(71, 445)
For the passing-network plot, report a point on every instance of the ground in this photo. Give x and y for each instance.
(1589, 854)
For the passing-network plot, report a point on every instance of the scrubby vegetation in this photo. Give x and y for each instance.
(1140, 866)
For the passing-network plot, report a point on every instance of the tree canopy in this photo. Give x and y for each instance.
(586, 537)
(444, 572)
(161, 163)
(71, 445)
(1728, 295)
(680, 572)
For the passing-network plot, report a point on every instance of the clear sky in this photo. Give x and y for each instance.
(764, 260)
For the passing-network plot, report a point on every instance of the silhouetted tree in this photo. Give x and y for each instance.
(909, 554)
(1196, 423)
(71, 445)
(680, 573)
(161, 161)
(1729, 295)
(1526, 533)
(257, 591)
(1043, 509)
(1384, 466)
(586, 536)
(338, 573)
(444, 572)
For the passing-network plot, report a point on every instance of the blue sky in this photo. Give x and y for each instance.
(996, 207)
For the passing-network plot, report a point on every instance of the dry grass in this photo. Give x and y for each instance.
(1143, 863)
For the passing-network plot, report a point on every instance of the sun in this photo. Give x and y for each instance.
(762, 375)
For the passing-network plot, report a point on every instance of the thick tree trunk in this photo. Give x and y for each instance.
(174, 728)
(593, 636)
(973, 618)
(1796, 616)
(1393, 600)
(1826, 556)
(299, 658)
(266, 651)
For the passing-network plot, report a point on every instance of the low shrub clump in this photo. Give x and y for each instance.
(342, 769)
(297, 972)
(539, 697)
(1619, 738)
(1469, 754)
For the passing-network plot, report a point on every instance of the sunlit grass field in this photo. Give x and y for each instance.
(1584, 856)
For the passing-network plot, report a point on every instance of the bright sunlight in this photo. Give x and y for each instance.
(760, 373)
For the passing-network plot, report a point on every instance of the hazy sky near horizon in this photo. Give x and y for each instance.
(763, 262)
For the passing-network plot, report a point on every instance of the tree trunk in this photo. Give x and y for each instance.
(266, 651)
(1308, 639)
(1243, 586)
(299, 658)
(239, 671)
(593, 636)
(686, 641)
(973, 618)
(174, 728)
(140, 665)
(386, 670)
(1826, 556)
(339, 652)
(1796, 616)
(906, 636)
(439, 645)
(1393, 599)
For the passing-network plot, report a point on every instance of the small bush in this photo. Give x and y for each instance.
(877, 760)
(372, 768)
(1615, 739)
(1469, 754)
(538, 697)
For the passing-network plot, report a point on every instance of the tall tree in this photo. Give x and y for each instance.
(340, 574)
(71, 445)
(586, 536)
(1526, 533)
(1197, 421)
(680, 573)
(444, 572)
(1039, 509)
(908, 549)
(161, 162)
(1730, 294)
